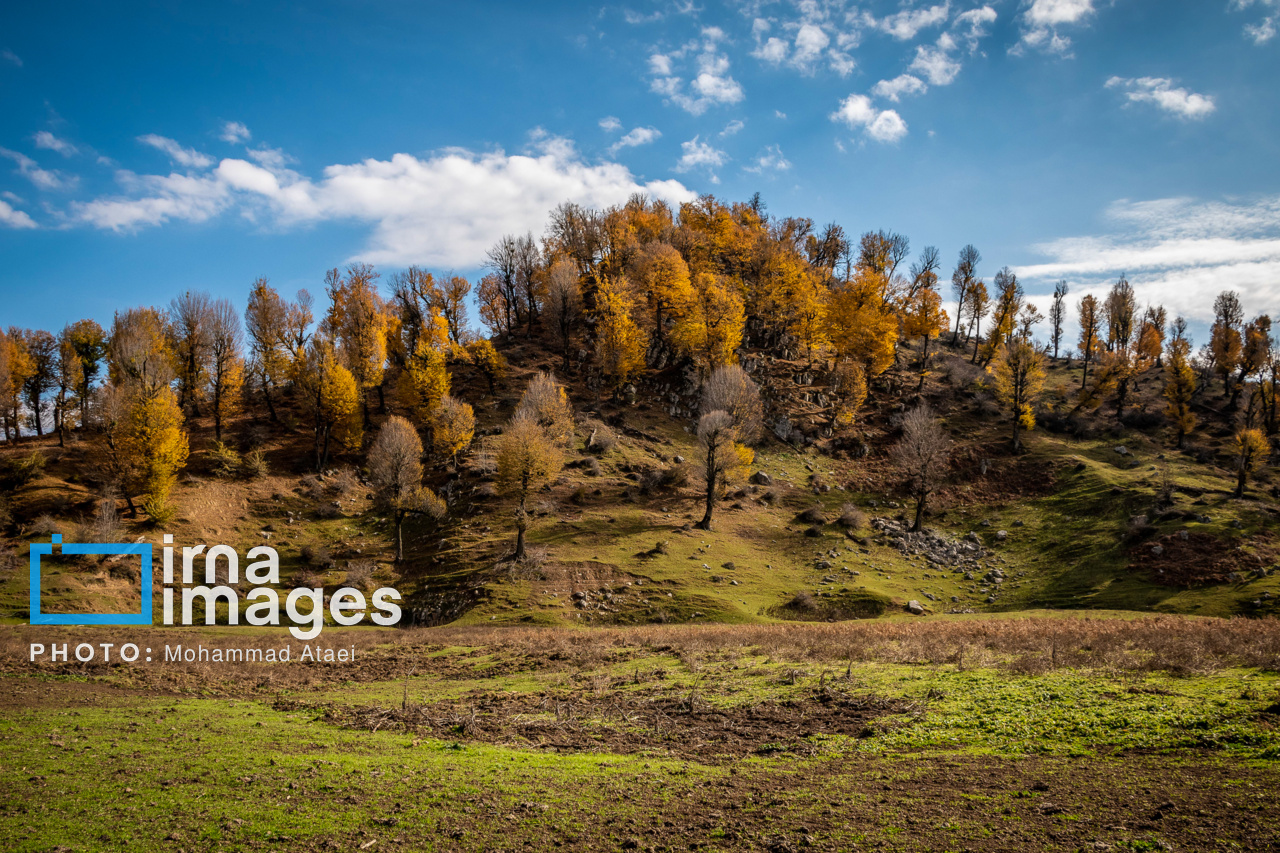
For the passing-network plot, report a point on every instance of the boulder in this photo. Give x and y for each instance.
(760, 478)
(915, 608)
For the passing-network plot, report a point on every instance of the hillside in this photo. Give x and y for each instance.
(1091, 514)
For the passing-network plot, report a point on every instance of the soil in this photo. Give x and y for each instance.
(1201, 559)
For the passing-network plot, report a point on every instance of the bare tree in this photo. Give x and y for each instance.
(729, 389)
(395, 468)
(189, 317)
(225, 366)
(564, 303)
(1057, 314)
(963, 280)
(923, 454)
(718, 439)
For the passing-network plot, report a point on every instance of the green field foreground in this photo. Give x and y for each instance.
(1061, 733)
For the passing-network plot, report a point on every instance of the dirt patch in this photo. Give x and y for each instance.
(1186, 559)
(833, 607)
(624, 723)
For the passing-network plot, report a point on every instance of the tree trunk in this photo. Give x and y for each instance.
(522, 523)
(920, 499)
(1240, 481)
(705, 524)
(271, 406)
(399, 536)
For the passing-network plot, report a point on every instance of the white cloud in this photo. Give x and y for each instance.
(733, 127)
(1040, 24)
(445, 210)
(772, 50)
(634, 18)
(936, 62)
(10, 56)
(49, 142)
(1265, 30)
(698, 154)
(857, 112)
(1161, 92)
(45, 179)
(976, 20)
(182, 156)
(903, 84)
(841, 63)
(234, 132)
(771, 160)
(610, 124)
(1178, 252)
(14, 218)
(635, 137)
(711, 86)
(810, 42)
(906, 24)
(810, 37)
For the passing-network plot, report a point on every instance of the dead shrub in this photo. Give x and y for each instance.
(852, 518)
(812, 515)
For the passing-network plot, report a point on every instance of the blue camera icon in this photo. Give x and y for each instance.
(39, 549)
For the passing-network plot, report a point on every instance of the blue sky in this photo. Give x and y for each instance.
(150, 148)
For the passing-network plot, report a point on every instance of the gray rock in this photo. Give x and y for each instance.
(1157, 550)
(914, 607)
(760, 478)
(1002, 535)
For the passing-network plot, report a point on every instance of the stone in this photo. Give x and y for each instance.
(760, 478)
(1157, 550)
(1002, 535)
(1122, 450)
(914, 607)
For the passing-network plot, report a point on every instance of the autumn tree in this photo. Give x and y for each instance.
(453, 424)
(663, 276)
(1090, 326)
(357, 323)
(495, 310)
(620, 343)
(1120, 307)
(66, 374)
(331, 397)
(276, 332)
(1251, 449)
(976, 307)
(527, 459)
(1255, 349)
(17, 367)
(1019, 373)
(923, 454)
(426, 380)
(808, 312)
(89, 342)
(1004, 316)
(1149, 346)
(848, 391)
(155, 443)
(139, 354)
(859, 326)
(711, 330)
(1179, 389)
(395, 469)
(491, 363)
(452, 302)
(924, 318)
(1057, 315)
(226, 365)
(564, 304)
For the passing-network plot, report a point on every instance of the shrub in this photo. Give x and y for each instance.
(812, 515)
(579, 496)
(45, 525)
(309, 579)
(851, 517)
(601, 439)
(317, 555)
(255, 465)
(592, 467)
(328, 509)
(771, 496)
(161, 511)
(344, 482)
(311, 486)
(223, 460)
(360, 574)
(25, 469)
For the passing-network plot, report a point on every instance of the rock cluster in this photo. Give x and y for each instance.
(937, 548)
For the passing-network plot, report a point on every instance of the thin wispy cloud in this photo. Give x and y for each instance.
(1175, 251)
(635, 137)
(1161, 92)
(235, 133)
(47, 141)
(770, 160)
(45, 179)
(446, 209)
(11, 57)
(188, 157)
(1262, 30)
(11, 218)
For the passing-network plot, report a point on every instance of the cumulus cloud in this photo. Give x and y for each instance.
(903, 84)
(1178, 252)
(857, 113)
(188, 157)
(1041, 21)
(936, 63)
(712, 85)
(700, 155)
(906, 24)
(46, 140)
(1160, 91)
(771, 160)
(610, 124)
(635, 137)
(11, 218)
(806, 41)
(446, 209)
(972, 25)
(1264, 30)
(234, 132)
(45, 179)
